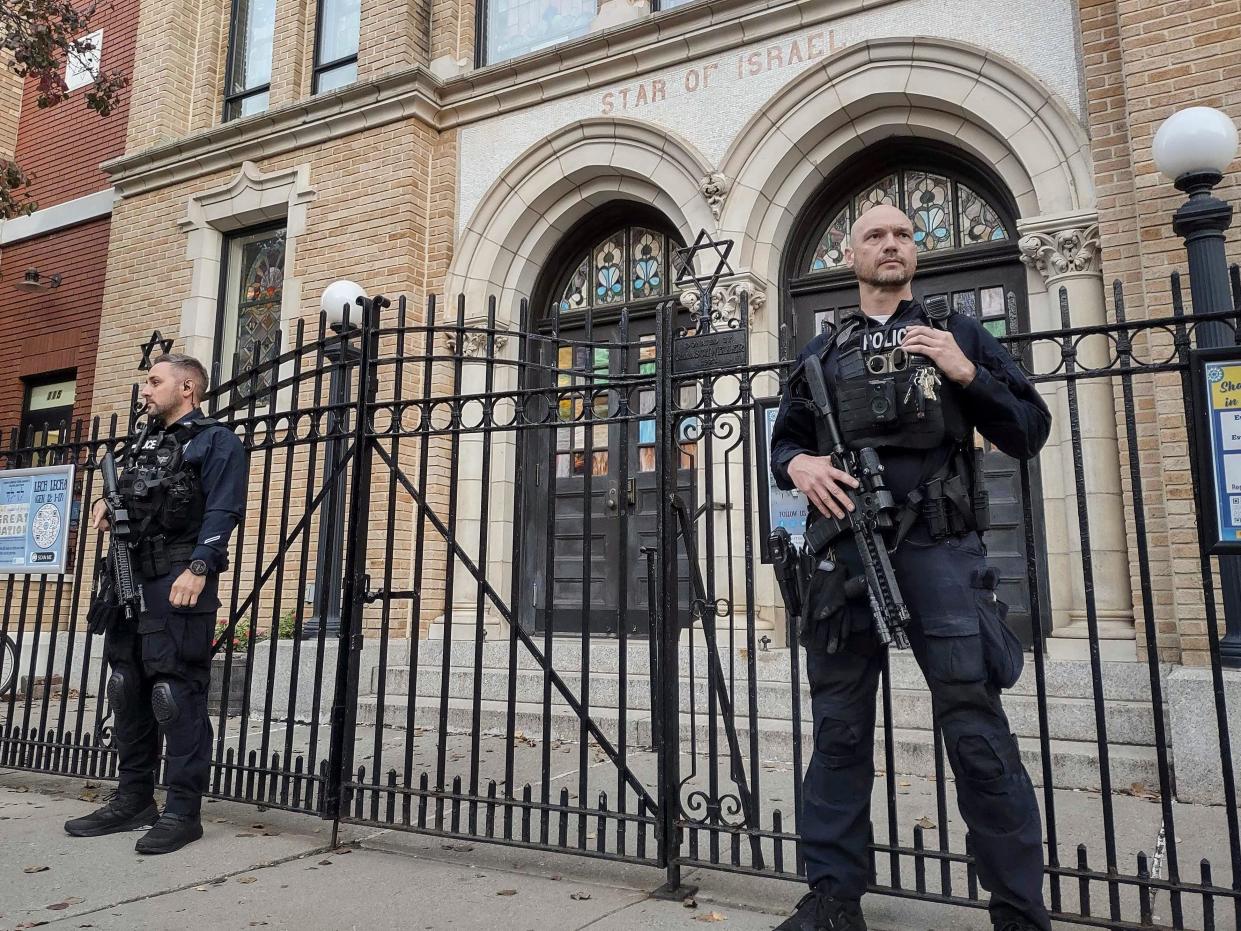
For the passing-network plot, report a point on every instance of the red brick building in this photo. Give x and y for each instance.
(53, 262)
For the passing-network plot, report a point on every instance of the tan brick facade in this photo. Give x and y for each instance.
(10, 105)
(1143, 61)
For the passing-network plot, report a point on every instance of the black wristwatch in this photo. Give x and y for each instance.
(198, 567)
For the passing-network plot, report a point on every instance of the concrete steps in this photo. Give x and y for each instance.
(1074, 763)
(1068, 689)
(1069, 718)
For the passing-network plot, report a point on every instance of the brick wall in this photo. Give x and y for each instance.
(61, 147)
(52, 329)
(1144, 59)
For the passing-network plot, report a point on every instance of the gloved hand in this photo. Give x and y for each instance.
(825, 621)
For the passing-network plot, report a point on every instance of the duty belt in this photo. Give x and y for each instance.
(154, 556)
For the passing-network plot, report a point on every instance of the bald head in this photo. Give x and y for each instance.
(881, 249)
(881, 216)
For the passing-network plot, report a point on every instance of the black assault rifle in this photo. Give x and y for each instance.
(128, 593)
(872, 515)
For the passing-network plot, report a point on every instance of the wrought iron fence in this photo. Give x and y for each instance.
(530, 564)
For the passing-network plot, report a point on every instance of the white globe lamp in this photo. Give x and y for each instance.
(339, 295)
(1195, 141)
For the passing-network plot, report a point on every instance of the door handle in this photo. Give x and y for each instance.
(610, 500)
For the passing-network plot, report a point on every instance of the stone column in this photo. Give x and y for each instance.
(500, 504)
(1065, 253)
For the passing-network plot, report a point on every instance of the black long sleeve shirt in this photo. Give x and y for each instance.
(220, 460)
(1000, 402)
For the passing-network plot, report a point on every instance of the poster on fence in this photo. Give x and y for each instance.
(34, 519)
(777, 508)
(1217, 406)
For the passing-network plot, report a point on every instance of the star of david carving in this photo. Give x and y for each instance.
(157, 340)
(685, 261)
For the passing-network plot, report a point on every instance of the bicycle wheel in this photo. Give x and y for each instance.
(8, 665)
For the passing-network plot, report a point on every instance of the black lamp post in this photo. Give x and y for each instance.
(341, 303)
(1193, 147)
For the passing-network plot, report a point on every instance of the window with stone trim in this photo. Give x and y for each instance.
(337, 23)
(247, 80)
(946, 214)
(248, 328)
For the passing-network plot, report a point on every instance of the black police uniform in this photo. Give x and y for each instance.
(956, 633)
(185, 489)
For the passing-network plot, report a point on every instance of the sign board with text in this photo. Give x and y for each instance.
(1216, 406)
(34, 519)
(777, 508)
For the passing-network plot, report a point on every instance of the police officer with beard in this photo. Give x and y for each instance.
(184, 486)
(914, 386)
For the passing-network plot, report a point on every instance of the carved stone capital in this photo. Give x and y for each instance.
(474, 344)
(1063, 252)
(714, 188)
(726, 300)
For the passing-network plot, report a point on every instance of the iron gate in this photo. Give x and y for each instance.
(399, 456)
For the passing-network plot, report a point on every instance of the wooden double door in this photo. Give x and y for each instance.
(590, 485)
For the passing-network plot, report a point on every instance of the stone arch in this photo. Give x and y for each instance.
(932, 88)
(553, 184)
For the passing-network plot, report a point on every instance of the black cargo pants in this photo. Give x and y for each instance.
(158, 678)
(962, 657)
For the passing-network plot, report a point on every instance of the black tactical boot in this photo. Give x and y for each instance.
(121, 813)
(819, 912)
(1004, 918)
(171, 832)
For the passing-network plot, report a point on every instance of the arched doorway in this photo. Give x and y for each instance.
(600, 488)
(966, 230)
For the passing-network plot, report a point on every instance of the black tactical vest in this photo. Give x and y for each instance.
(888, 397)
(163, 492)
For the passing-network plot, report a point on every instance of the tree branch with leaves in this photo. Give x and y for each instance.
(41, 36)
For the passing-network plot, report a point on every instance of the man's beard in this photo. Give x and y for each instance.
(880, 277)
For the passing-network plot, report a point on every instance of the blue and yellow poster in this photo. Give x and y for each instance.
(1223, 383)
(34, 519)
(785, 509)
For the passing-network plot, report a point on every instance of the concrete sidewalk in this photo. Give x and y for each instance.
(269, 869)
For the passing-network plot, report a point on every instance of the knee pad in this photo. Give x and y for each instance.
(164, 703)
(118, 691)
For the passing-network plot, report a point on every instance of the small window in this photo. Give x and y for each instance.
(946, 214)
(47, 412)
(248, 330)
(518, 27)
(336, 44)
(248, 76)
(81, 68)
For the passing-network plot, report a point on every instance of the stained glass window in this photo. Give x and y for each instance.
(254, 291)
(518, 27)
(585, 369)
(979, 221)
(946, 214)
(629, 264)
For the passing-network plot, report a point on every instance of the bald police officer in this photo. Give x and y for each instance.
(915, 387)
(184, 486)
